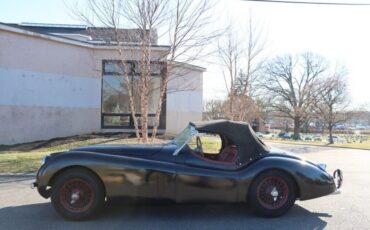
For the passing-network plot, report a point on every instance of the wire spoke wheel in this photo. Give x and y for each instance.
(272, 192)
(76, 195)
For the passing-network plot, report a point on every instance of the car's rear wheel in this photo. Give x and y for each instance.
(77, 194)
(272, 193)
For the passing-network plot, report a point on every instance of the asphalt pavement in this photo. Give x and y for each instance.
(23, 208)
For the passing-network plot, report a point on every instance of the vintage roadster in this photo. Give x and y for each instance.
(244, 169)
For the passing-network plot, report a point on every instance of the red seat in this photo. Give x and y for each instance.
(228, 154)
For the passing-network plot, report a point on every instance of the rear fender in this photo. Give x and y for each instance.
(311, 181)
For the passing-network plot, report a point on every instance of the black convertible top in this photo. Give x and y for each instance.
(249, 145)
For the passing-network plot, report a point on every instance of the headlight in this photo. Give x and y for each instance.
(44, 159)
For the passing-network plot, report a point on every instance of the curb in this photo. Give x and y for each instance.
(17, 174)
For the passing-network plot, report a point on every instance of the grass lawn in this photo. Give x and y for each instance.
(26, 158)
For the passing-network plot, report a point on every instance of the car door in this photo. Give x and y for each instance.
(200, 181)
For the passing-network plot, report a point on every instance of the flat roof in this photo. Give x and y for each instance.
(54, 37)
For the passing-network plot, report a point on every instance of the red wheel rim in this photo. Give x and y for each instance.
(76, 195)
(272, 192)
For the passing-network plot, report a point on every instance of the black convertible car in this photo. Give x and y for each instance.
(244, 169)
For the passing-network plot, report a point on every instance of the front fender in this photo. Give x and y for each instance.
(311, 181)
(121, 175)
(61, 161)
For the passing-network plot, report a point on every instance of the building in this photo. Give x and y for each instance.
(62, 80)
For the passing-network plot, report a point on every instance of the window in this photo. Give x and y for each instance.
(211, 143)
(210, 147)
(116, 112)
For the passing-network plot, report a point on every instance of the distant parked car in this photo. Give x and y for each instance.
(284, 135)
(337, 139)
(264, 135)
(308, 138)
(317, 138)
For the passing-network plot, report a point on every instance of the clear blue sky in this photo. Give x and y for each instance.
(339, 33)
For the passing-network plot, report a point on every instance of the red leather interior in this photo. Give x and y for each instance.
(228, 154)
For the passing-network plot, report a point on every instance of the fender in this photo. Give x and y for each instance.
(121, 175)
(311, 181)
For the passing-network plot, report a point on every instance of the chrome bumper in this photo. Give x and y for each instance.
(33, 185)
(43, 191)
(338, 178)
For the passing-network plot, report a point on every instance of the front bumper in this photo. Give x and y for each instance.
(43, 191)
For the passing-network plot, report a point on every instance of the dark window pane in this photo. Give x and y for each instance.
(115, 96)
(136, 93)
(154, 93)
(150, 121)
(115, 99)
(116, 120)
(155, 68)
(117, 67)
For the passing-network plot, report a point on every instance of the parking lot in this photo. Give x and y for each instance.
(23, 208)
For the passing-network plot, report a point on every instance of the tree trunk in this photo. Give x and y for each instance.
(144, 83)
(231, 105)
(163, 90)
(297, 127)
(330, 128)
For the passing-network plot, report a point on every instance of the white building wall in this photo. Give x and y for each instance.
(49, 89)
(184, 98)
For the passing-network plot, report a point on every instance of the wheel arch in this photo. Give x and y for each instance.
(282, 170)
(73, 167)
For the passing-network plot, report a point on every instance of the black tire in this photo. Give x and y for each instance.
(77, 194)
(272, 193)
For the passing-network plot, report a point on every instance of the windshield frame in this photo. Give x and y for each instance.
(183, 138)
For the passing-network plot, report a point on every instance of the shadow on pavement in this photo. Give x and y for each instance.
(161, 216)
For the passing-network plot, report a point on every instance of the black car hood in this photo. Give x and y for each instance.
(129, 149)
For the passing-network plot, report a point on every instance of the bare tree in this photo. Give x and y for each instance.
(332, 101)
(240, 58)
(290, 85)
(186, 24)
(213, 109)
(230, 52)
(189, 35)
(146, 15)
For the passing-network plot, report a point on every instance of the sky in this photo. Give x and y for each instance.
(339, 33)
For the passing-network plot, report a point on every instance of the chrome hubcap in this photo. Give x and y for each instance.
(74, 197)
(274, 193)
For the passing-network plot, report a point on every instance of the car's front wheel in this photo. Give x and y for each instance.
(77, 194)
(272, 193)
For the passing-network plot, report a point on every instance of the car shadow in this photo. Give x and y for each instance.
(161, 216)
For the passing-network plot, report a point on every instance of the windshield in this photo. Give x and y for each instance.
(183, 138)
